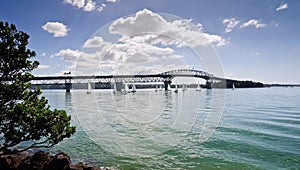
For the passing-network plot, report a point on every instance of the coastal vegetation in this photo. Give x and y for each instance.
(26, 120)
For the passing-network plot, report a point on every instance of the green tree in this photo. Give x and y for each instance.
(25, 117)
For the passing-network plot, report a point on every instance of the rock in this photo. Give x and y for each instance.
(36, 161)
(82, 166)
(9, 162)
(60, 161)
(41, 161)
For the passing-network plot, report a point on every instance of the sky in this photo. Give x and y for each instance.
(245, 40)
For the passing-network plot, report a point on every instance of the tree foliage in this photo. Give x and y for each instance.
(25, 116)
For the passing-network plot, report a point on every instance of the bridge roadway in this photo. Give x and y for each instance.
(169, 75)
(165, 77)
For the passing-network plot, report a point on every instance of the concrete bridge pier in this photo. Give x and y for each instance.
(167, 83)
(208, 83)
(119, 86)
(68, 85)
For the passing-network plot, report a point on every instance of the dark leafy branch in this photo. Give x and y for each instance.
(25, 116)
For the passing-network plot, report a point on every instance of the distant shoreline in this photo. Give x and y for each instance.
(282, 85)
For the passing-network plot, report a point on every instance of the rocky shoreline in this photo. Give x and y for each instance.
(41, 160)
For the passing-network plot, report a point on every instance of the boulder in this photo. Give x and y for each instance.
(60, 161)
(41, 161)
(9, 162)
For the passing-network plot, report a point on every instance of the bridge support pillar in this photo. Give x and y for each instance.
(167, 83)
(68, 85)
(208, 84)
(119, 86)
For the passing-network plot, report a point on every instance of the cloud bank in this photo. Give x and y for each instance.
(146, 43)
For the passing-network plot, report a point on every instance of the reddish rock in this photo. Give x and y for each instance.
(60, 161)
(82, 166)
(9, 162)
(36, 161)
(41, 161)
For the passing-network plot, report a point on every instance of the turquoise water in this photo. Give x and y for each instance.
(211, 129)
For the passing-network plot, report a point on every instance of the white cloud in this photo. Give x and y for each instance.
(43, 54)
(282, 7)
(164, 32)
(253, 22)
(56, 28)
(133, 53)
(215, 39)
(90, 6)
(85, 5)
(43, 66)
(144, 21)
(101, 7)
(69, 55)
(76, 3)
(172, 57)
(93, 42)
(230, 23)
(146, 43)
(120, 58)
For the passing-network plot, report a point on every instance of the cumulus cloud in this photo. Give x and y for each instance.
(56, 28)
(88, 5)
(122, 58)
(282, 7)
(163, 31)
(230, 24)
(43, 54)
(69, 55)
(101, 7)
(144, 21)
(76, 3)
(96, 41)
(215, 39)
(143, 43)
(253, 22)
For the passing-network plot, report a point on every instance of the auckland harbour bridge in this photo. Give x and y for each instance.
(165, 77)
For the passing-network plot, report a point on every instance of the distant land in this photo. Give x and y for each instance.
(282, 85)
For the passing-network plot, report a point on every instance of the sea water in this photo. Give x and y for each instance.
(257, 128)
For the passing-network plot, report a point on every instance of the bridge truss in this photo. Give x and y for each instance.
(150, 78)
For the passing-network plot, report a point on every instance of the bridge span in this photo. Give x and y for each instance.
(165, 77)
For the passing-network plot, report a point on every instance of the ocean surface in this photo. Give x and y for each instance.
(255, 128)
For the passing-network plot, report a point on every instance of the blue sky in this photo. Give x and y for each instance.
(254, 39)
